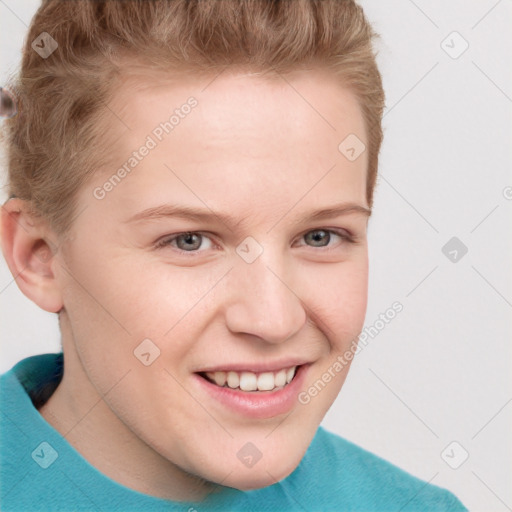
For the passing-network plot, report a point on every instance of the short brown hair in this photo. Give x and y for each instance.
(52, 144)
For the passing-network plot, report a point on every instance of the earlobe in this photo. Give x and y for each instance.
(29, 253)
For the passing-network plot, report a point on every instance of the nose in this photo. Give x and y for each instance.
(263, 302)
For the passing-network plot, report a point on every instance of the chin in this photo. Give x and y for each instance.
(262, 474)
(256, 481)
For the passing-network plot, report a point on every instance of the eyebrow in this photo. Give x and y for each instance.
(205, 214)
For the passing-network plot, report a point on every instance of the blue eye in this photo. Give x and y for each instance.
(186, 242)
(318, 237)
(195, 242)
(189, 241)
(322, 237)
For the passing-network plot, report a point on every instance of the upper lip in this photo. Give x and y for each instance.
(271, 366)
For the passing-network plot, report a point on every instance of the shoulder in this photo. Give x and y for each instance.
(361, 480)
(28, 445)
(39, 469)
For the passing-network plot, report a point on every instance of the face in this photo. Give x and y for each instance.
(212, 283)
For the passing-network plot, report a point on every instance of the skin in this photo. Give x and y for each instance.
(265, 152)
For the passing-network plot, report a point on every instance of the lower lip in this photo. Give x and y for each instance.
(257, 404)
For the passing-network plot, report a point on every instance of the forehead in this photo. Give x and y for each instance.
(301, 102)
(248, 141)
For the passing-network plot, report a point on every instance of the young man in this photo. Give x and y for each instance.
(190, 185)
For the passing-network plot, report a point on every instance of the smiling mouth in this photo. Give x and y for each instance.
(250, 381)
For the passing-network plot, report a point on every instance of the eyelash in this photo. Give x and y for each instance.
(166, 241)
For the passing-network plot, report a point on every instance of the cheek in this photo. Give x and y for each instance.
(338, 296)
(114, 304)
(131, 296)
(151, 298)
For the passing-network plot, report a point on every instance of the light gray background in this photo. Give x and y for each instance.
(440, 371)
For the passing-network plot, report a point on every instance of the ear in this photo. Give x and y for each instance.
(29, 251)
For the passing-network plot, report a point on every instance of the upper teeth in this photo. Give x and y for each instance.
(249, 381)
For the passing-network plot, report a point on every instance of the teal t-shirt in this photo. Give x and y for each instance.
(40, 470)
